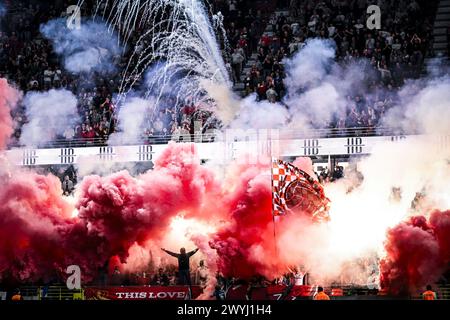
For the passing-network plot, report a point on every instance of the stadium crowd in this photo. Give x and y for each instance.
(396, 52)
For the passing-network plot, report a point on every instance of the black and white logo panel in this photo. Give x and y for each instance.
(29, 157)
(145, 153)
(311, 147)
(355, 145)
(67, 155)
(106, 153)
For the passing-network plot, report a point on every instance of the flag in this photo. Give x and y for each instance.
(294, 189)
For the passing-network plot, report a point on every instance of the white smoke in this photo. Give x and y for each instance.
(49, 114)
(361, 211)
(317, 89)
(424, 107)
(131, 121)
(310, 65)
(92, 47)
(261, 115)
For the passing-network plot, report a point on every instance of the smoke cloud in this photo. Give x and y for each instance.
(245, 244)
(49, 114)
(181, 203)
(317, 89)
(417, 253)
(8, 100)
(424, 107)
(261, 115)
(89, 48)
(131, 121)
(113, 215)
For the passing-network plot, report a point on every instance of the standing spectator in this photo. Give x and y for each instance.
(161, 278)
(201, 276)
(320, 295)
(261, 91)
(69, 133)
(67, 186)
(271, 94)
(17, 296)
(237, 59)
(183, 264)
(219, 293)
(429, 294)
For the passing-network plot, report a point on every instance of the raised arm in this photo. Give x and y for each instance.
(173, 254)
(192, 252)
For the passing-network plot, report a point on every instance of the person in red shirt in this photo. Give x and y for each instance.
(261, 90)
(265, 40)
(90, 133)
(84, 131)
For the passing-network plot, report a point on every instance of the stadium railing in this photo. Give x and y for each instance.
(54, 292)
(211, 137)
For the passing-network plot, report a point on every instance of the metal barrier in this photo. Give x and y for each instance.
(211, 137)
(62, 293)
(56, 292)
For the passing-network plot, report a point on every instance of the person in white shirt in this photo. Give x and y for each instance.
(57, 75)
(69, 133)
(48, 75)
(299, 276)
(201, 276)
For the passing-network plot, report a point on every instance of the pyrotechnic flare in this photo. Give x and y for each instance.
(180, 58)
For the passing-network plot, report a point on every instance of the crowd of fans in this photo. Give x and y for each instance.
(28, 60)
(396, 52)
(167, 276)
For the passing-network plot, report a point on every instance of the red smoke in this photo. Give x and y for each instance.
(8, 99)
(418, 252)
(39, 236)
(33, 221)
(125, 210)
(246, 245)
(118, 211)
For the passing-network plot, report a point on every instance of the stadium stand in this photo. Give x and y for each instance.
(263, 34)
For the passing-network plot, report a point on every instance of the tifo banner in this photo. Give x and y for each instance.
(141, 293)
